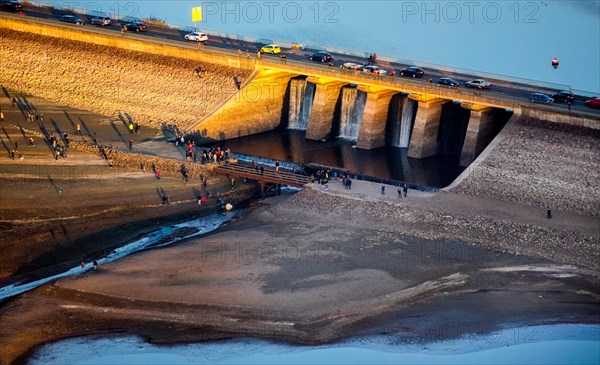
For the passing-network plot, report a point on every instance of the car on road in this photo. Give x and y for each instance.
(564, 96)
(372, 69)
(540, 98)
(412, 71)
(593, 103)
(101, 20)
(271, 48)
(321, 56)
(71, 19)
(196, 37)
(478, 83)
(10, 5)
(352, 66)
(448, 82)
(136, 26)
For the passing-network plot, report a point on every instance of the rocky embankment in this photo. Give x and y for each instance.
(151, 89)
(559, 245)
(541, 163)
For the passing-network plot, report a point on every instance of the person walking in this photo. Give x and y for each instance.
(383, 190)
(400, 193)
(405, 189)
(131, 127)
(78, 129)
(549, 212)
(130, 144)
(262, 170)
(95, 265)
(1, 117)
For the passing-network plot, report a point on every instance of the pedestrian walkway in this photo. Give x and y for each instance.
(449, 204)
(264, 176)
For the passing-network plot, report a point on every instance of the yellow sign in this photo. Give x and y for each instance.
(197, 14)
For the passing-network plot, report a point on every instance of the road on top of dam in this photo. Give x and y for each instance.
(250, 49)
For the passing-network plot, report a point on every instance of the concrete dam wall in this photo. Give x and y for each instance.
(152, 89)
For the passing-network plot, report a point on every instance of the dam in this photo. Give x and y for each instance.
(324, 103)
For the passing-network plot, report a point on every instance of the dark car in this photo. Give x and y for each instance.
(564, 96)
(593, 103)
(448, 82)
(412, 72)
(321, 56)
(8, 5)
(137, 26)
(71, 19)
(540, 98)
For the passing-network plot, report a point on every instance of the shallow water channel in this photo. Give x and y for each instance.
(159, 238)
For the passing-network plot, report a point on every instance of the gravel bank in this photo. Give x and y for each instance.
(424, 220)
(540, 163)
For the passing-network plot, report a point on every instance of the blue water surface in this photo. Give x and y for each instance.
(550, 344)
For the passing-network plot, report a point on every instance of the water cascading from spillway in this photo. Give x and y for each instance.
(403, 117)
(351, 111)
(302, 93)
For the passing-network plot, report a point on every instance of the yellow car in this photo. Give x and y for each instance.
(271, 48)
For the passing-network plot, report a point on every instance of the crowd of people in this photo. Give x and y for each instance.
(59, 146)
(325, 175)
(215, 155)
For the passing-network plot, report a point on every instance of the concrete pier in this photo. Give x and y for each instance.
(321, 116)
(480, 132)
(423, 142)
(374, 119)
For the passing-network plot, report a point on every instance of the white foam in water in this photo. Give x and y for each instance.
(552, 344)
(204, 225)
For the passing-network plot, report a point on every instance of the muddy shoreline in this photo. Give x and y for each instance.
(279, 274)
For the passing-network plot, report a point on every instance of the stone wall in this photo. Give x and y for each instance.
(152, 89)
(539, 163)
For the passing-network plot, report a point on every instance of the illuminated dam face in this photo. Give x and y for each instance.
(391, 119)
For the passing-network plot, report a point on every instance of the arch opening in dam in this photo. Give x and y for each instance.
(349, 111)
(301, 94)
(401, 115)
(454, 121)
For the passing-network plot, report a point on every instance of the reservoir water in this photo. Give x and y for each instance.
(386, 162)
(552, 344)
